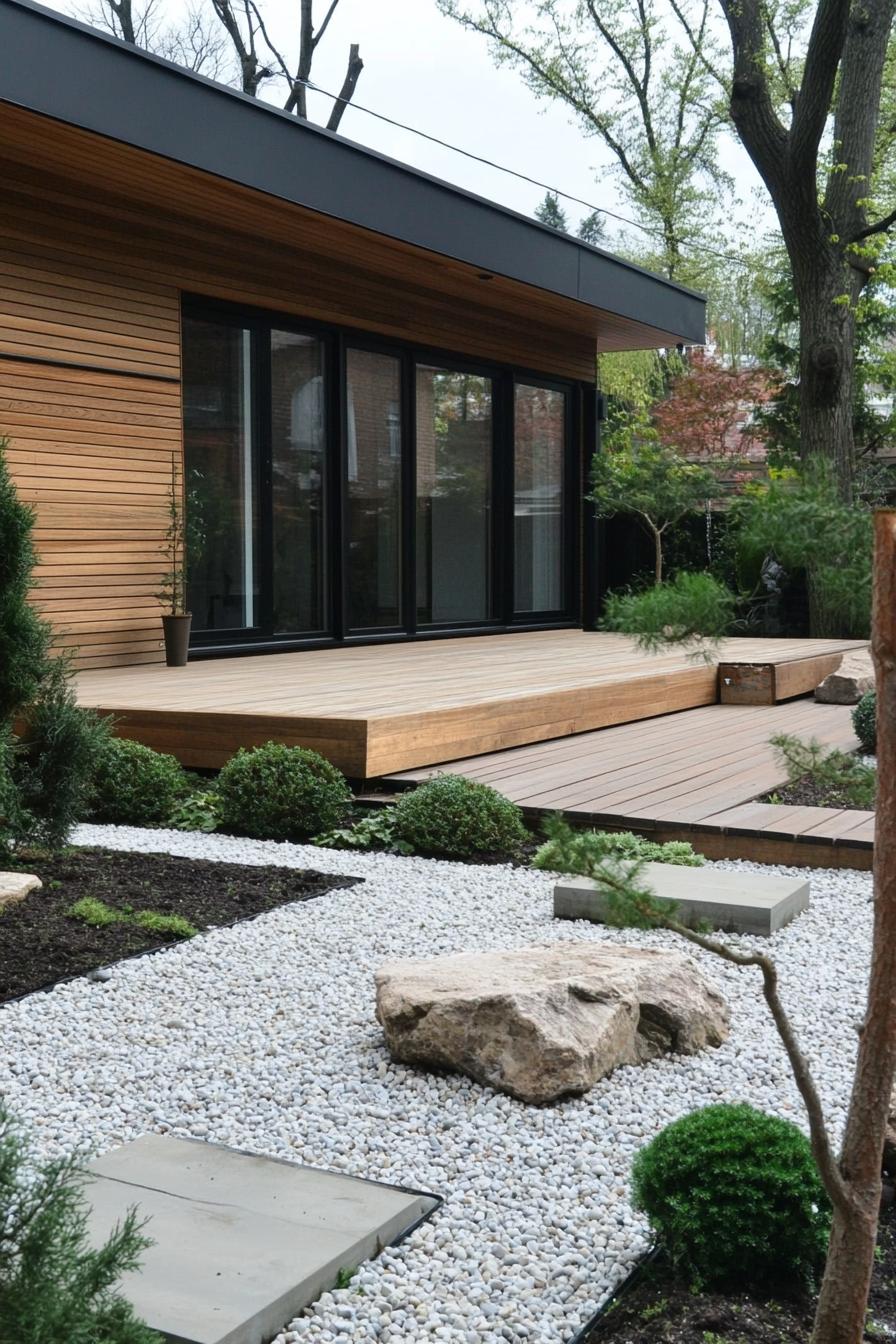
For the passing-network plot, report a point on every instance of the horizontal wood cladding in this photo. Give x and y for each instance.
(98, 243)
(164, 221)
(91, 451)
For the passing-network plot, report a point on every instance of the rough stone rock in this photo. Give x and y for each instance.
(848, 684)
(15, 887)
(541, 1022)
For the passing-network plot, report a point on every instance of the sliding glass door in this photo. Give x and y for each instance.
(339, 488)
(373, 483)
(454, 497)
(299, 596)
(540, 418)
(221, 477)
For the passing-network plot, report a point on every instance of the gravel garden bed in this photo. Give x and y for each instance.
(262, 1036)
(42, 941)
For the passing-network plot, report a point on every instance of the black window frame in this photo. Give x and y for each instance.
(337, 340)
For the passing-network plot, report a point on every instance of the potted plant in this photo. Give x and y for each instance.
(173, 590)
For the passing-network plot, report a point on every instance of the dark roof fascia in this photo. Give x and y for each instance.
(63, 69)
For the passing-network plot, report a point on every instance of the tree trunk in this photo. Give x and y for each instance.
(826, 298)
(843, 1301)
(840, 1318)
(657, 554)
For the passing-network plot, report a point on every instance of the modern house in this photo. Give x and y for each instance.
(378, 389)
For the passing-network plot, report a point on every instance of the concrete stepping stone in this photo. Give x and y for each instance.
(732, 902)
(14, 887)
(242, 1243)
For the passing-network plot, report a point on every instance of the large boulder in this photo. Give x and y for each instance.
(541, 1022)
(14, 887)
(848, 684)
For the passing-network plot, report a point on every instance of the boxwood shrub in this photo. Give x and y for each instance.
(734, 1197)
(864, 721)
(134, 785)
(457, 818)
(275, 792)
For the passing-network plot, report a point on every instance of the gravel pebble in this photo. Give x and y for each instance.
(263, 1036)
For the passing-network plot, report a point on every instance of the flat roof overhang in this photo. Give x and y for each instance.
(60, 69)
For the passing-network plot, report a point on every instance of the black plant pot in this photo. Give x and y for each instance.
(177, 639)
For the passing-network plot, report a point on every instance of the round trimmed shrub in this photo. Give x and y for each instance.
(457, 818)
(134, 785)
(864, 721)
(275, 792)
(734, 1197)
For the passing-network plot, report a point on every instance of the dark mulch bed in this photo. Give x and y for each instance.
(808, 792)
(661, 1309)
(40, 943)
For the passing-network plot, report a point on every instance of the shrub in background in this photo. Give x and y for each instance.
(807, 527)
(53, 1285)
(735, 1199)
(864, 721)
(134, 785)
(275, 792)
(457, 818)
(692, 611)
(577, 851)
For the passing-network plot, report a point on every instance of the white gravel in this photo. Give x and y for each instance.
(263, 1036)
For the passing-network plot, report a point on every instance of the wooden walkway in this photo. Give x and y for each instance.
(689, 775)
(380, 708)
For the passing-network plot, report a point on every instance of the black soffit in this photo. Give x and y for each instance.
(60, 68)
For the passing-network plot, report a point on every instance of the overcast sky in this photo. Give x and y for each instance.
(425, 70)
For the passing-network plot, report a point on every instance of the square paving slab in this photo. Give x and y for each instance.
(242, 1243)
(733, 902)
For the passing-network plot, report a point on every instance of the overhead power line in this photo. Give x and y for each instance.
(523, 177)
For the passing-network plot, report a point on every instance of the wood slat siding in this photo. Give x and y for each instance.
(98, 242)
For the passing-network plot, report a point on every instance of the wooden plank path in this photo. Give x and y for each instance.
(688, 775)
(375, 709)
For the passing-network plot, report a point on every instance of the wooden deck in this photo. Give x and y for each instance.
(382, 708)
(691, 775)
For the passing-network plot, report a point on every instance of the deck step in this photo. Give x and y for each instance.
(750, 903)
(768, 683)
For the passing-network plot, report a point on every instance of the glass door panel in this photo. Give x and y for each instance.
(454, 496)
(373, 484)
(220, 476)
(298, 484)
(539, 442)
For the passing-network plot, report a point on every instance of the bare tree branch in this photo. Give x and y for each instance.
(355, 66)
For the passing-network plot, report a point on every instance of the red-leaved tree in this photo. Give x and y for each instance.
(708, 414)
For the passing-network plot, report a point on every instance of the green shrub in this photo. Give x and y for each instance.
(56, 759)
(692, 612)
(134, 785)
(374, 830)
(842, 781)
(94, 912)
(24, 635)
(166, 926)
(809, 529)
(457, 818)
(864, 721)
(53, 1285)
(281, 793)
(734, 1198)
(198, 811)
(577, 851)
